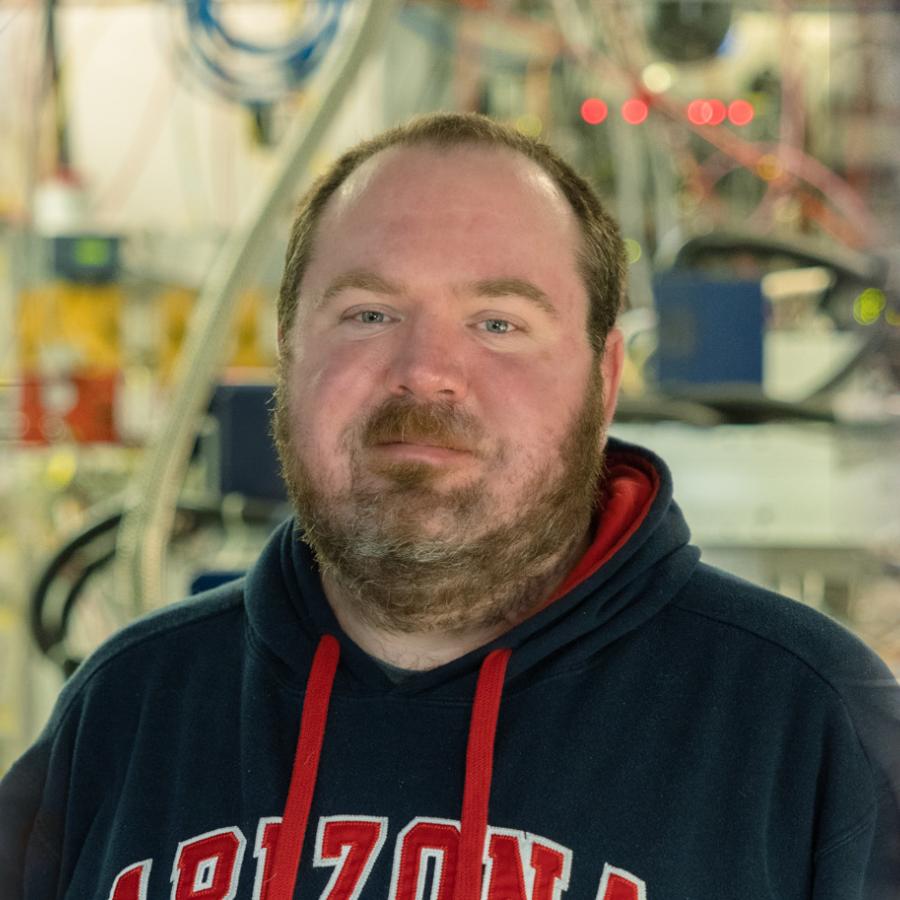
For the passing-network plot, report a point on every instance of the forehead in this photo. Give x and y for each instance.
(442, 171)
(413, 197)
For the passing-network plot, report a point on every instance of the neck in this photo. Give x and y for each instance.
(427, 648)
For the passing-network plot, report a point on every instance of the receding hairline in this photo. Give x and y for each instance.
(466, 145)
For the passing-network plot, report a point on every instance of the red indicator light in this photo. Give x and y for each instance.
(717, 112)
(635, 110)
(593, 111)
(699, 112)
(706, 112)
(740, 112)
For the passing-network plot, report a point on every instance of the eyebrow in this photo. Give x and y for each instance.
(490, 287)
(360, 280)
(519, 287)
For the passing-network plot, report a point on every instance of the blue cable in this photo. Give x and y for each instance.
(284, 64)
(201, 12)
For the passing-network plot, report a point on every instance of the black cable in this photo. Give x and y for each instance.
(44, 637)
(50, 634)
(75, 590)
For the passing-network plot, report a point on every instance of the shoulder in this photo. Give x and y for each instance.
(765, 622)
(178, 621)
(161, 643)
(804, 662)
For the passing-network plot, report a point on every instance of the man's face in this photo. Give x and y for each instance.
(438, 387)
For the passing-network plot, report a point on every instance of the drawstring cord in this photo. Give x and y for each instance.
(306, 764)
(479, 768)
(476, 792)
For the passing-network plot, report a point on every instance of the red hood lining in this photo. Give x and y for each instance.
(631, 486)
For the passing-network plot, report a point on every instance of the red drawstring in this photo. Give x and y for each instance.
(479, 767)
(287, 851)
(476, 792)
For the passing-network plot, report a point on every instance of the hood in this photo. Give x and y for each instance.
(639, 559)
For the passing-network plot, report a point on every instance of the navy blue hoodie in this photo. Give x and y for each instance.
(660, 731)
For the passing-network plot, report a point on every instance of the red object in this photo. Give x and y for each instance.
(349, 845)
(740, 112)
(594, 110)
(306, 766)
(421, 835)
(479, 769)
(216, 854)
(635, 110)
(131, 883)
(717, 111)
(617, 884)
(706, 112)
(698, 112)
(631, 487)
(79, 407)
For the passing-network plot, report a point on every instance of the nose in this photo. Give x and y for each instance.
(428, 362)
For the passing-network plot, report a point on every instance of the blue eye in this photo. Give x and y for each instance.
(498, 326)
(370, 317)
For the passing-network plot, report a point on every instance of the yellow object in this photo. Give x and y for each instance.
(11, 665)
(76, 325)
(175, 306)
(529, 124)
(769, 168)
(247, 348)
(61, 468)
(657, 77)
(868, 306)
(632, 251)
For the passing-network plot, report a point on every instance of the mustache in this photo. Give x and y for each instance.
(406, 421)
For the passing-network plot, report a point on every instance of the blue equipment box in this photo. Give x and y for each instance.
(710, 330)
(248, 463)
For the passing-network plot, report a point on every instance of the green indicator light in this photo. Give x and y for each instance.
(868, 306)
(91, 252)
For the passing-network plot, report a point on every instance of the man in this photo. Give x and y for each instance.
(484, 661)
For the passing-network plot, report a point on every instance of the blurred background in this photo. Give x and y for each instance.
(150, 157)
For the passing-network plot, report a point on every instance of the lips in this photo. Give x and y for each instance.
(430, 443)
(429, 453)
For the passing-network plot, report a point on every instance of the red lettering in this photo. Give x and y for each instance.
(504, 873)
(131, 883)
(552, 864)
(207, 866)
(617, 884)
(525, 867)
(351, 846)
(423, 840)
(518, 866)
(264, 852)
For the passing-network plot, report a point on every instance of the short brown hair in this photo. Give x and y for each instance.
(602, 255)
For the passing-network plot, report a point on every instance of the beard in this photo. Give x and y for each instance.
(410, 556)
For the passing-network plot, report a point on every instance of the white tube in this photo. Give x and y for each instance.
(153, 495)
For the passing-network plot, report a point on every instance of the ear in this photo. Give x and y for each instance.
(611, 363)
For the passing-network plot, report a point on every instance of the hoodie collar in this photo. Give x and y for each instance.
(638, 560)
